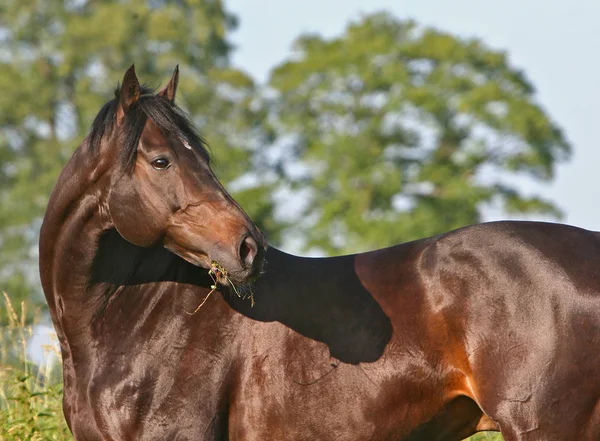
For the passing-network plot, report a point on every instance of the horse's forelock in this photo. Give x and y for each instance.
(170, 119)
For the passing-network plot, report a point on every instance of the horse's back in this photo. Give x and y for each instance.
(533, 259)
(525, 252)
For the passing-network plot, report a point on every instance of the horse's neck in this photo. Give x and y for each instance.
(69, 238)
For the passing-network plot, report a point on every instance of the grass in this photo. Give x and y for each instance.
(486, 436)
(31, 395)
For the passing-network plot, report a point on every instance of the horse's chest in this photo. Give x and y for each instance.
(137, 411)
(149, 397)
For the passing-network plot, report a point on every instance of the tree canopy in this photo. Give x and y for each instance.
(393, 131)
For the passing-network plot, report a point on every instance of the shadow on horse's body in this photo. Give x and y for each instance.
(494, 326)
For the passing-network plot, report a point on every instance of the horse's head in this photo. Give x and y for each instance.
(162, 189)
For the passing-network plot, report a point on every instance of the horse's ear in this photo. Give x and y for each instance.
(130, 91)
(171, 89)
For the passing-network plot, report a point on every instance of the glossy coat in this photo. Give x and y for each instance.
(493, 326)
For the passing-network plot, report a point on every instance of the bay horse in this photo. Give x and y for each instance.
(490, 327)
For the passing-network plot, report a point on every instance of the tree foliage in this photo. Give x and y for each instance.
(392, 131)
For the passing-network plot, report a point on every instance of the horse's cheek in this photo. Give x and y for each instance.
(142, 224)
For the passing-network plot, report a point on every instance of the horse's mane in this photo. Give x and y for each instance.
(170, 119)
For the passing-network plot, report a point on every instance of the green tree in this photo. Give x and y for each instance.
(60, 61)
(393, 131)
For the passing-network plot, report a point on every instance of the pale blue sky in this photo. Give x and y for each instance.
(556, 42)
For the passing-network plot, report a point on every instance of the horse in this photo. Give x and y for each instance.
(494, 326)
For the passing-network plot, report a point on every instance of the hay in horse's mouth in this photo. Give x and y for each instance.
(218, 274)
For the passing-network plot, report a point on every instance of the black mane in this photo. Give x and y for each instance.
(170, 119)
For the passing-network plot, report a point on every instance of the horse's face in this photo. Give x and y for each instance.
(170, 195)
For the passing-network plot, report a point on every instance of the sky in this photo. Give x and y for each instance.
(555, 42)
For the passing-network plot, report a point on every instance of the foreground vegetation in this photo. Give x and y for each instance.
(31, 394)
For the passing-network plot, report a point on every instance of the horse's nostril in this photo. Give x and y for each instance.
(248, 250)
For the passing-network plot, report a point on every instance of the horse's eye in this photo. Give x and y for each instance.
(160, 163)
